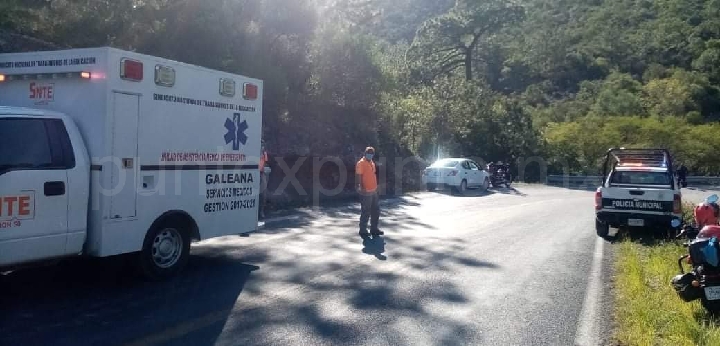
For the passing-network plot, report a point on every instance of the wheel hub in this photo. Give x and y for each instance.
(167, 248)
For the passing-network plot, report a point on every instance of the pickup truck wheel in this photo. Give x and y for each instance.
(602, 228)
(165, 252)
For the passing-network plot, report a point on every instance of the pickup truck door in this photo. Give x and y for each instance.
(34, 158)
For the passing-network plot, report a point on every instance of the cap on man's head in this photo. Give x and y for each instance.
(370, 150)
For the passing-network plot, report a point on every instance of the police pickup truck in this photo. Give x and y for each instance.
(638, 191)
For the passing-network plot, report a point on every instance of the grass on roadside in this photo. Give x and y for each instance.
(647, 309)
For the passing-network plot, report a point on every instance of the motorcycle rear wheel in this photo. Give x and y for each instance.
(712, 306)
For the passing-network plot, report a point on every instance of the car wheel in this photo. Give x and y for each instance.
(486, 184)
(602, 228)
(463, 187)
(431, 187)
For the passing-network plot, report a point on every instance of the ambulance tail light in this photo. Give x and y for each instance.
(677, 204)
(598, 199)
(2, 77)
(85, 75)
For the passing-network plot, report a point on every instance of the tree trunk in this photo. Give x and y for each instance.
(468, 64)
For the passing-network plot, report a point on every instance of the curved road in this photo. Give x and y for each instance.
(511, 267)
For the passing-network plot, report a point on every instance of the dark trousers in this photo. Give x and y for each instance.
(370, 210)
(262, 200)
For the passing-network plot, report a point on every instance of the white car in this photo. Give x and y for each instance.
(459, 174)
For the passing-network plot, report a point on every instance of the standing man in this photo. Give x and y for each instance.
(263, 181)
(682, 175)
(366, 181)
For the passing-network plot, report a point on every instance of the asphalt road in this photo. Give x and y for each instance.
(511, 267)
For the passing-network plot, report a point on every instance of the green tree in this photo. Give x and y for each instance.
(619, 95)
(451, 41)
(709, 61)
(683, 92)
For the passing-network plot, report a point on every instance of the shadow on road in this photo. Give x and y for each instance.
(103, 301)
(509, 191)
(468, 192)
(391, 215)
(583, 187)
(312, 281)
(374, 246)
(373, 291)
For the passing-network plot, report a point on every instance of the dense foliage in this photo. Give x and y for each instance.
(561, 79)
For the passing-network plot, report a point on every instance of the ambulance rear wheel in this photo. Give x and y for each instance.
(165, 252)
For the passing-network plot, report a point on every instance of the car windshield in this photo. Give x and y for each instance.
(640, 178)
(445, 163)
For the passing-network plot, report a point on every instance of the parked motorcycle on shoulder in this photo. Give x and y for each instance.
(499, 174)
(703, 238)
(681, 180)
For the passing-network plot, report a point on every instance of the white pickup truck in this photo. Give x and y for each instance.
(106, 152)
(638, 191)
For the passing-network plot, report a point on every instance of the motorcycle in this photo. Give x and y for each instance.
(682, 181)
(500, 175)
(703, 280)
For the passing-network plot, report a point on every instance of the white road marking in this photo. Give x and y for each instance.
(588, 327)
(277, 219)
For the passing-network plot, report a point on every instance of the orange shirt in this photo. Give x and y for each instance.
(263, 159)
(366, 170)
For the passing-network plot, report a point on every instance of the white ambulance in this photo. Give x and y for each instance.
(106, 152)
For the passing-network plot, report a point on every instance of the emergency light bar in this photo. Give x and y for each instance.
(41, 76)
(642, 159)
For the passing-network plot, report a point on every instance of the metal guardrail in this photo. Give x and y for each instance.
(712, 181)
(587, 181)
(596, 180)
